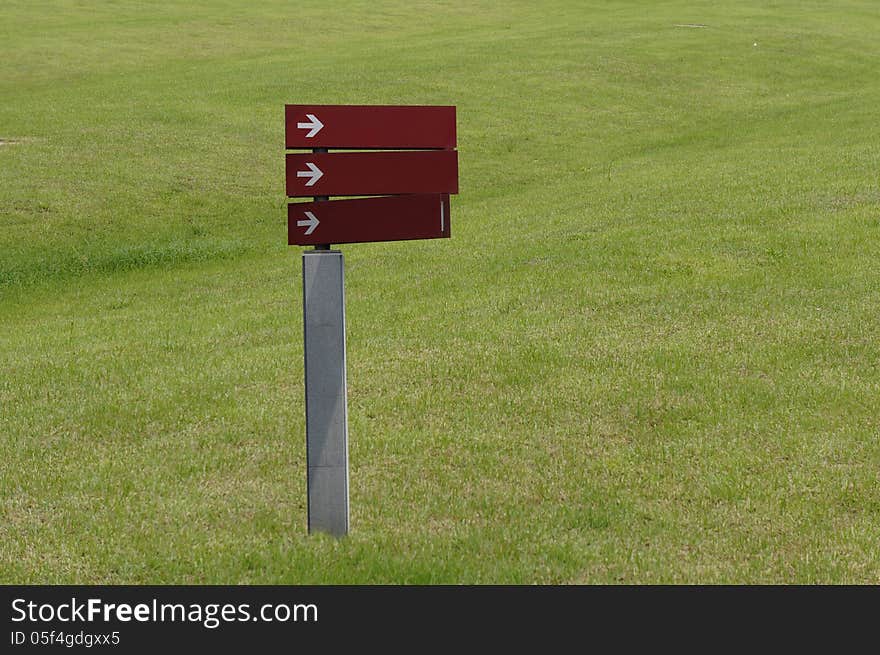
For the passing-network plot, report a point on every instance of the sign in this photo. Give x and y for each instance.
(370, 126)
(406, 151)
(386, 218)
(372, 173)
(411, 166)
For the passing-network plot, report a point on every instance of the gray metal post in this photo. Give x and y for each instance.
(326, 397)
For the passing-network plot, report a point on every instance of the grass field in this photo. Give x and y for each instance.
(650, 352)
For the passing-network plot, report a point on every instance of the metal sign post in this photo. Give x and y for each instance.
(326, 395)
(413, 183)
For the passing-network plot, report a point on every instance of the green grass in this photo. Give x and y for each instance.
(649, 354)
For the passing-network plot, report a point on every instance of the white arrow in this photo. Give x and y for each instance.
(314, 125)
(312, 223)
(315, 173)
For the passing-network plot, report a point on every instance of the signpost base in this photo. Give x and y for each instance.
(325, 387)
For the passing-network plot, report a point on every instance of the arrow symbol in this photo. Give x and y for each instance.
(314, 125)
(312, 223)
(315, 174)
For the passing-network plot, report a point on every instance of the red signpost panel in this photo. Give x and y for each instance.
(359, 220)
(372, 173)
(369, 126)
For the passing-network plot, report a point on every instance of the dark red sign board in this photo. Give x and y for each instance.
(414, 175)
(369, 126)
(359, 220)
(372, 173)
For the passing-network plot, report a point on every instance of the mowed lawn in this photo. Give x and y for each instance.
(650, 352)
